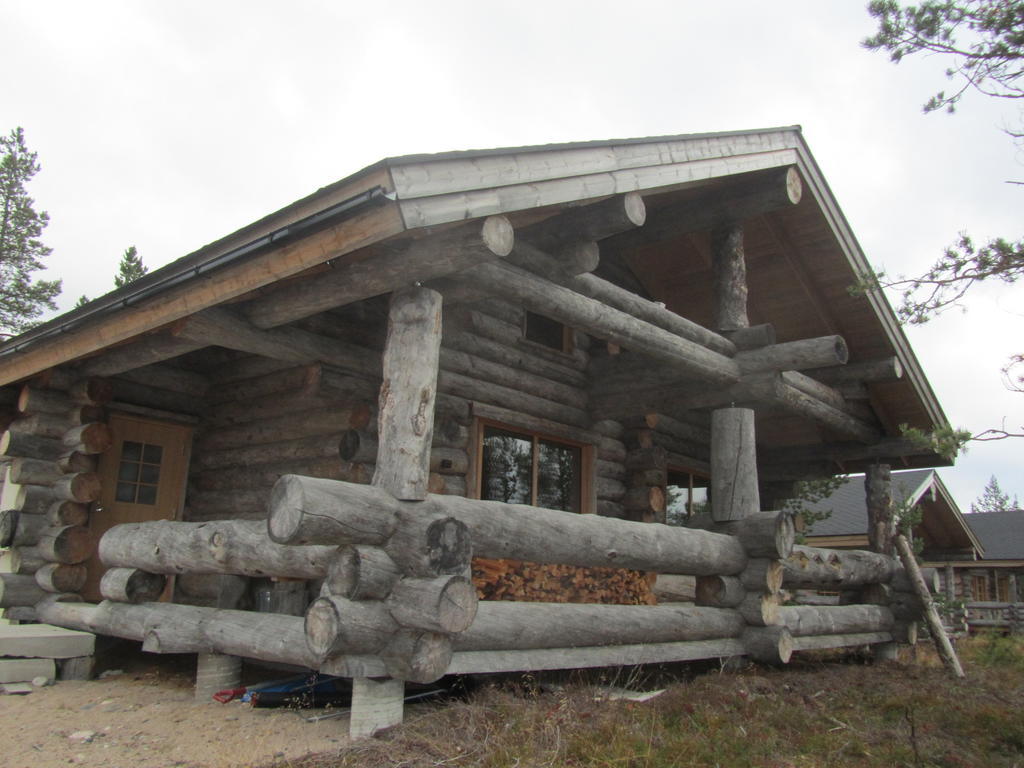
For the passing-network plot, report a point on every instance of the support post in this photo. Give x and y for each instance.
(408, 393)
(216, 672)
(881, 528)
(734, 492)
(881, 521)
(376, 705)
(405, 432)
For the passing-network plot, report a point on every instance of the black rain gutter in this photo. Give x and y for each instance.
(130, 295)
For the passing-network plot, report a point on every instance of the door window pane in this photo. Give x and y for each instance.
(138, 474)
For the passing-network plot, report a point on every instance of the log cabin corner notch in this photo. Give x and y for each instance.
(354, 346)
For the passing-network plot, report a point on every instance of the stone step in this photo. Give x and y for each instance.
(45, 641)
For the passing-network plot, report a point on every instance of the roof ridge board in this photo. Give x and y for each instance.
(593, 143)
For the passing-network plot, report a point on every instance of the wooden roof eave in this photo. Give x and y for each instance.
(147, 305)
(815, 182)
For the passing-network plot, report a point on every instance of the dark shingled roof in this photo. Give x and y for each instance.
(849, 506)
(1001, 533)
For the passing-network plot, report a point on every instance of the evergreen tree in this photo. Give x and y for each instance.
(21, 251)
(982, 42)
(130, 269)
(993, 499)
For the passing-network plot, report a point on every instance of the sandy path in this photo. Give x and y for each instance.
(147, 718)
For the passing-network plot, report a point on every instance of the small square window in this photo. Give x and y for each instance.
(547, 332)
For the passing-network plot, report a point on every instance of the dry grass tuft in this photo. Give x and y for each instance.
(818, 712)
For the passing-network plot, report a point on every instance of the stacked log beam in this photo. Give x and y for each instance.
(51, 444)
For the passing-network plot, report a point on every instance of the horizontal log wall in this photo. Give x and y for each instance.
(276, 421)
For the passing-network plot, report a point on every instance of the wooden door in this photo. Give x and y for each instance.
(143, 474)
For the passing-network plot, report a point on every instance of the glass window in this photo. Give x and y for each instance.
(547, 332)
(686, 494)
(522, 468)
(138, 474)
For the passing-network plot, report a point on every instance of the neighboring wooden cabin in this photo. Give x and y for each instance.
(998, 576)
(569, 327)
(943, 531)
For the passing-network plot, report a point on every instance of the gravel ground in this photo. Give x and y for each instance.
(145, 716)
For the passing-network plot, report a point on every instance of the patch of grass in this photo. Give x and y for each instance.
(808, 715)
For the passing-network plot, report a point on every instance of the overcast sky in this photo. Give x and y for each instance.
(166, 125)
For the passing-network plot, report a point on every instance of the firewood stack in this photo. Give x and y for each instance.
(51, 445)
(550, 583)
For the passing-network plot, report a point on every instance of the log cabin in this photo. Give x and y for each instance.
(436, 407)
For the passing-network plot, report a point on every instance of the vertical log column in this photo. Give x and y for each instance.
(734, 493)
(881, 528)
(405, 432)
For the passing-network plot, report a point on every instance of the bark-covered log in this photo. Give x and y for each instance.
(474, 367)
(832, 569)
(804, 620)
(759, 610)
(131, 585)
(902, 582)
(64, 512)
(938, 632)
(27, 529)
(596, 221)
(240, 547)
(34, 399)
(881, 516)
(606, 322)
(288, 427)
(444, 604)
(263, 476)
(309, 448)
(83, 487)
(510, 397)
(771, 389)
(427, 544)
(419, 657)
(422, 260)
(762, 575)
(265, 636)
(61, 578)
(70, 544)
(34, 471)
(751, 337)
(768, 645)
(501, 625)
(406, 409)
(883, 369)
(822, 642)
(734, 493)
(26, 560)
(21, 444)
(720, 591)
(794, 355)
(361, 573)
(88, 438)
(305, 510)
(335, 625)
(35, 499)
(75, 461)
(18, 589)
(729, 275)
(762, 535)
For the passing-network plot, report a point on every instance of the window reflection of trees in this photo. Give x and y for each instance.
(508, 470)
